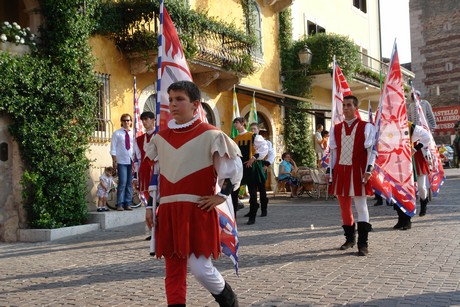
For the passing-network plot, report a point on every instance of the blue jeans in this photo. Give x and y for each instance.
(125, 185)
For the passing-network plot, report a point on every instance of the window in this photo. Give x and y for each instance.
(103, 127)
(361, 5)
(364, 57)
(313, 28)
(150, 104)
(256, 29)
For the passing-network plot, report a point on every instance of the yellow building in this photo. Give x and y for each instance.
(117, 69)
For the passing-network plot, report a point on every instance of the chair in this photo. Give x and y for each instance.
(319, 180)
(306, 180)
(280, 186)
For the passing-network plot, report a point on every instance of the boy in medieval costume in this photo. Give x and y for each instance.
(352, 162)
(193, 156)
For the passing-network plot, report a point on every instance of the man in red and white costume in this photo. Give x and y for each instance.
(193, 156)
(352, 159)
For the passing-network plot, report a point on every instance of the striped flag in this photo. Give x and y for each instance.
(393, 174)
(138, 127)
(253, 112)
(340, 89)
(172, 67)
(236, 113)
(436, 176)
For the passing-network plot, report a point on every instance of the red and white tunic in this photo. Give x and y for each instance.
(350, 158)
(420, 135)
(192, 158)
(144, 167)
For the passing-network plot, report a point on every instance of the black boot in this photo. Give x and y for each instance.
(401, 215)
(363, 231)
(379, 201)
(252, 213)
(407, 224)
(423, 204)
(350, 236)
(227, 298)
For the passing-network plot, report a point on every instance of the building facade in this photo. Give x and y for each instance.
(435, 45)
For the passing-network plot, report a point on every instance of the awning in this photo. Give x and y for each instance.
(278, 98)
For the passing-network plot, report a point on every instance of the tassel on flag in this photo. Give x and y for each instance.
(253, 112)
(236, 113)
(173, 67)
(371, 118)
(393, 174)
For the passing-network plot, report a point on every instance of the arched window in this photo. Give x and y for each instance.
(150, 104)
(256, 29)
(209, 113)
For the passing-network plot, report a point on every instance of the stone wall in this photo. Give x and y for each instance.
(12, 214)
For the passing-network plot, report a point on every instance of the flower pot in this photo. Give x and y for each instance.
(14, 49)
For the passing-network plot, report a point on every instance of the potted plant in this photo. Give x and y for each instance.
(16, 40)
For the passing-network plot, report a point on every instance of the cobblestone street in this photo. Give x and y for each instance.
(289, 258)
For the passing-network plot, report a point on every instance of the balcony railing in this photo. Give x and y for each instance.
(378, 67)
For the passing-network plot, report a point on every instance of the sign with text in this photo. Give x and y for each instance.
(446, 117)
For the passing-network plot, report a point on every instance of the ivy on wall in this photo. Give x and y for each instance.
(50, 95)
(297, 131)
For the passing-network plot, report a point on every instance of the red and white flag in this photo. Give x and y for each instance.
(393, 174)
(173, 67)
(340, 89)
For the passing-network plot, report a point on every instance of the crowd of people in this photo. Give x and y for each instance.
(177, 170)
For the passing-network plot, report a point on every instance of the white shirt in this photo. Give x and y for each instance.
(118, 149)
(271, 153)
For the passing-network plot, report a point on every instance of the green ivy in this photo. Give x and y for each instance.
(325, 46)
(297, 136)
(130, 24)
(50, 96)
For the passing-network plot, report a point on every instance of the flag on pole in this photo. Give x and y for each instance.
(436, 176)
(138, 127)
(393, 173)
(236, 113)
(340, 89)
(253, 112)
(173, 67)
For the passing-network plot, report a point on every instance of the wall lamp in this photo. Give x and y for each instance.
(305, 56)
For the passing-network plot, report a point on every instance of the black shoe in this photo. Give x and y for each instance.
(246, 215)
(152, 254)
(363, 251)
(379, 202)
(263, 214)
(100, 209)
(251, 222)
(148, 238)
(240, 205)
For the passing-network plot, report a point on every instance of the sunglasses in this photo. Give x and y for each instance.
(125, 120)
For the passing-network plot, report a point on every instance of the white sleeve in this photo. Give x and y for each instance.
(261, 146)
(271, 153)
(113, 144)
(421, 135)
(228, 168)
(369, 133)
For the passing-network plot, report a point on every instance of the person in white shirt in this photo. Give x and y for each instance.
(413, 116)
(121, 150)
(318, 139)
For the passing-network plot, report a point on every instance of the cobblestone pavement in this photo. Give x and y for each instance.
(289, 258)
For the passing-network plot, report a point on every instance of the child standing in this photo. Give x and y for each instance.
(103, 188)
(193, 156)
